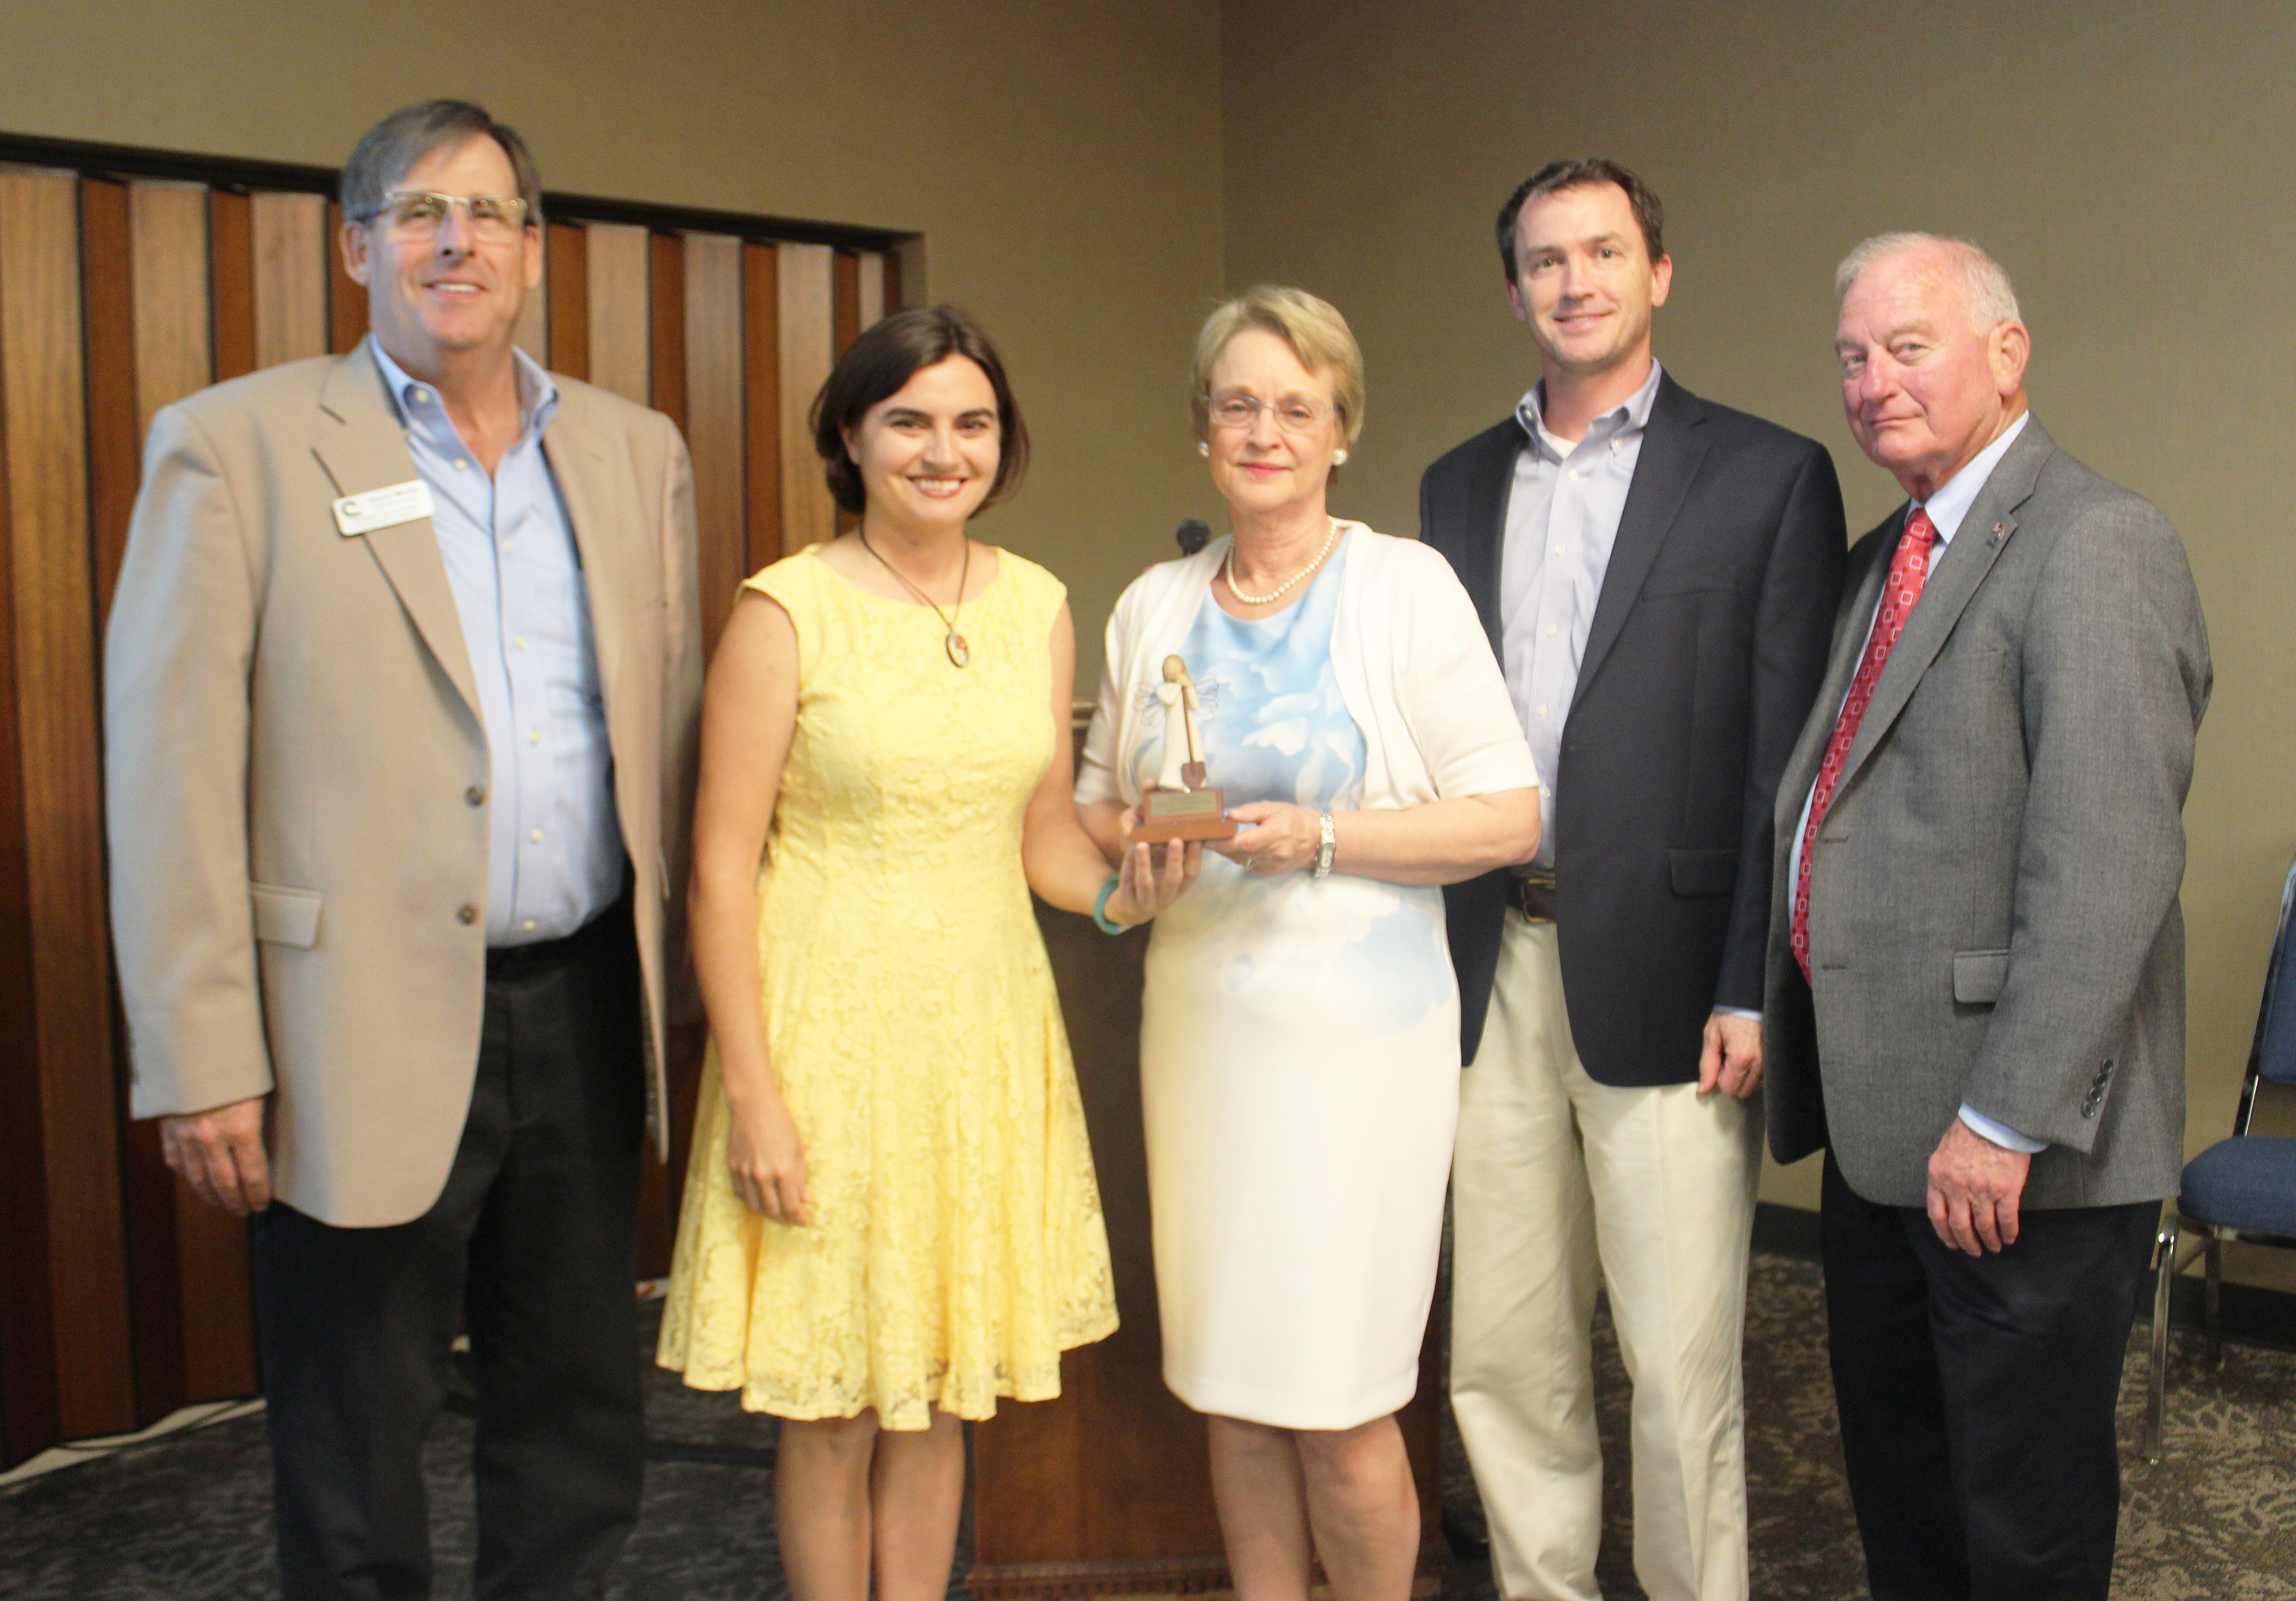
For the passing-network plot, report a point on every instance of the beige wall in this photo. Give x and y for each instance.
(1061, 159)
(1088, 175)
(2130, 164)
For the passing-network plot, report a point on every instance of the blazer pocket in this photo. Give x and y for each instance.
(1979, 975)
(1704, 872)
(287, 917)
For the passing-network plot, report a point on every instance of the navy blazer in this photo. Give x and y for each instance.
(1708, 643)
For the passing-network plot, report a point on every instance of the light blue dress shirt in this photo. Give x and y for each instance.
(1562, 517)
(554, 856)
(1947, 509)
(1561, 520)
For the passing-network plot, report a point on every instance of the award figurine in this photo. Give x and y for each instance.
(1182, 806)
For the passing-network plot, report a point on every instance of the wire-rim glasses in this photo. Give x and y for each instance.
(1295, 413)
(413, 214)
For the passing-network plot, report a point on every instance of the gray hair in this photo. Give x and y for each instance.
(1984, 284)
(394, 144)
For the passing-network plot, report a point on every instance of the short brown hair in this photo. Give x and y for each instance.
(1318, 336)
(385, 151)
(879, 363)
(1576, 172)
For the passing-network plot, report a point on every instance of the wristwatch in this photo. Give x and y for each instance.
(1325, 845)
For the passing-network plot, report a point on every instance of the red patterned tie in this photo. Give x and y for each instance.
(1907, 568)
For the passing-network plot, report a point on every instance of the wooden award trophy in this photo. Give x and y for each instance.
(1182, 806)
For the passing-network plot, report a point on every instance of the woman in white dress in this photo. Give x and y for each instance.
(1299, 1048)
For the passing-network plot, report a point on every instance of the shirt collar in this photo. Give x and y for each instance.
(1628, 417)
(415, 400)
(1957, 493)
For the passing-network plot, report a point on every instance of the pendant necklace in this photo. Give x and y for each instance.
(1236, 589)
(959, 652)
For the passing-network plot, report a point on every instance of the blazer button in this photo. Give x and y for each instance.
(476, 795)
(466, 914)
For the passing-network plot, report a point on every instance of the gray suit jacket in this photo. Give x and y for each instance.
(1993, 896)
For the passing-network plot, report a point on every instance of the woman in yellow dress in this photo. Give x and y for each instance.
(890, 1218)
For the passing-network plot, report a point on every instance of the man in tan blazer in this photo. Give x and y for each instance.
(402, 686)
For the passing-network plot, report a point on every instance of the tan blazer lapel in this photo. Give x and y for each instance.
(366, 450)
(1984, 533)
(583, 469)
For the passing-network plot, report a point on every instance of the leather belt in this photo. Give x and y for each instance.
(1534, 897)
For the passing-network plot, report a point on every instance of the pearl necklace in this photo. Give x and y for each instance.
(1236, 589)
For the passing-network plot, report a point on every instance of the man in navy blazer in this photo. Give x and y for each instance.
(1659, 576)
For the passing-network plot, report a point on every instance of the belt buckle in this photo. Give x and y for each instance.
(1534, 897)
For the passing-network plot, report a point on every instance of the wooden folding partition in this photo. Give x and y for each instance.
(68, 1303)
(128, 280)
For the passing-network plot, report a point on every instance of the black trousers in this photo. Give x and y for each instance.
(533, 1247)
(1977, 1396)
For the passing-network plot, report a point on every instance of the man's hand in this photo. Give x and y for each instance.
(1730, 1060)
(220, 1154)
(1974, 1187)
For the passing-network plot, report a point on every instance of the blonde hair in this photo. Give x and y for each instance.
(1314, 328)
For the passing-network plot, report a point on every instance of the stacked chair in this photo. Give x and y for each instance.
(2242, 1188)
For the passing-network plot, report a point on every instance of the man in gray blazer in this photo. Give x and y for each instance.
(1975, 994)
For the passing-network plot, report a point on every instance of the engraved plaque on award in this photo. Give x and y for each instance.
(1182, 806)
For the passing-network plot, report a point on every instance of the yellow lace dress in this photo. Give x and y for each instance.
(956, 1246)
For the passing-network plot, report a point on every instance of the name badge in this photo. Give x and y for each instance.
(382, 508)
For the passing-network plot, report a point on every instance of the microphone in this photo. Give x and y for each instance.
(1193, 534)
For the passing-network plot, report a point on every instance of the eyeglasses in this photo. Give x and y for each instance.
(1291, 414)
(492, 218)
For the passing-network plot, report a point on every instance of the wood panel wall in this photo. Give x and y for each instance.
(57, 885)
(121, 1297)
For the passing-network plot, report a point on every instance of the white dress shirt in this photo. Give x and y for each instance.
(1947, 509)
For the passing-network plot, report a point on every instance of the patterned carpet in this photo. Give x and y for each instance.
(186, 1518)
(2215, 1520)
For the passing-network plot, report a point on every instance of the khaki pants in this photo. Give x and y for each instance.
(1555, 1172)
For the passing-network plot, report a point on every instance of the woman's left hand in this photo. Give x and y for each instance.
(1145, 888)
(1275, 838)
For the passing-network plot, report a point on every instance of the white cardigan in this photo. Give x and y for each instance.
(1413, 666)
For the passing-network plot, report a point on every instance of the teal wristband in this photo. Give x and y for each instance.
(1099, 907)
